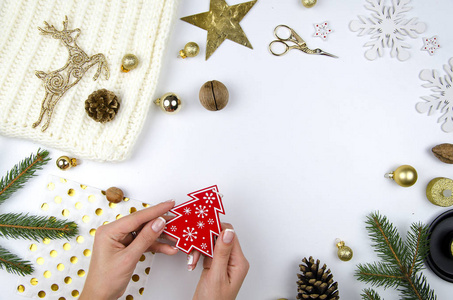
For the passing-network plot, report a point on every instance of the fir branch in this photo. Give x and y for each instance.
(379, 274)
(370, 294)
(17, 226)
(21, 172)
(13, 264)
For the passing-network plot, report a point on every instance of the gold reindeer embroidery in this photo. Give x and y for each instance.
(57, 82)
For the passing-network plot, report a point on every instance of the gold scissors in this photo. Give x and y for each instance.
(294, 38)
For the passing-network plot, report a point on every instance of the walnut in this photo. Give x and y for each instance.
(102, 105)
(444, 152)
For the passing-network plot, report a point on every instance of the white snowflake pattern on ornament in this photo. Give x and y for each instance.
(204, 246)
(173, 228)
(211, 221)
(190, 234)
(322, 30)
(442, 99)
(388, 28)
(187, 211)
(209, 197)
(201, 211)
(430, 45)
(200, 224)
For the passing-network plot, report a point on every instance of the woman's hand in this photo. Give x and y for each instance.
(116, 251)
(223, 275)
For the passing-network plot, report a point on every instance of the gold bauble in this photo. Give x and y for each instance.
(309, 3)
(404, 175)
(344, 252)
(439, 191)
(169, 103)
(191, 49)
(129, 62)
(65, 163)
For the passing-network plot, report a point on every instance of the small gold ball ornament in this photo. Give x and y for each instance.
(191, 49)
(114, 195)
(214, 95)
(169, 103)
(309, 3)
(404, 175)
(439, 191)
(129, 62)
(344, 252)
(65, 163)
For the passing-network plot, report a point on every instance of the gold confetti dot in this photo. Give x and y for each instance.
(119, 216)
(40, 261)
(83, 187)
(87, 252)
(45, 206)
(62, 180)
(142, 258)
(147, 270)
(75, 293)
(41, 294)
(71, 192)
(46, 240)
(57, 199)
(50, 186)
(135, 278)
(33, 281)
(68, 280)
(52, 219)
(91, 198)
(129, 297)
(67, 246)
(125, 199)
(54, 287)
(92, 231)
(105, 223)
(65, 212)
(141, 290)
(74, 259)
(99, 211)
(80, 239)
(145, 204)
(86, 219)
(78, 205)
(21, 288)
(132, 210)
(33, 247)
(112, 205)
(47, 274)
(60, 267)
(53, 253)
(81, 273)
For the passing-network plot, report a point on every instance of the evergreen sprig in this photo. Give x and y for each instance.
(17, 225)
(36, 228)
(401, 261)
(20, 173)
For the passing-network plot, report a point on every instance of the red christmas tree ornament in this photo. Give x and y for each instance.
(197, 221)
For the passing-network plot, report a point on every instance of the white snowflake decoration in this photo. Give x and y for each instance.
(200, 224)
(173, 228)
(204, 246)
(209, 197)
(322, 30)
(388, 28)
(201, 211)
(187, 211)
(442, 100)
(190, 234)
(211, 221)
(430, 45)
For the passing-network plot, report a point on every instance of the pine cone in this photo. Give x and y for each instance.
(315, 282)
(102, 105)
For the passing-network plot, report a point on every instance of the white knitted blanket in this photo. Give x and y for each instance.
(111, 27)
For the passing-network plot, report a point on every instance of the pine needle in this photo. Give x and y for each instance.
(36, 228)
(370, 294)
(20, 173)
(13, 264)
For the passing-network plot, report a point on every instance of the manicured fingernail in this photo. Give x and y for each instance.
(190, 262)
(171, 200)
(176, 248)
(158, 224)
(228, 236)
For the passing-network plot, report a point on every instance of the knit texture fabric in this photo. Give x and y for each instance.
(111, 27)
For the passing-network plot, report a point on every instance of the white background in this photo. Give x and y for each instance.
(299, 152)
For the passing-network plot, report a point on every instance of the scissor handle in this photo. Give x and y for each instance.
(279, 42)
(291, 33)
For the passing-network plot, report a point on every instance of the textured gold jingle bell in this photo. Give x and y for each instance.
(404, 175)
(65, 163)
(309, 3)
(129, 62)
(191, 49)
(344, 252)
(169, 103)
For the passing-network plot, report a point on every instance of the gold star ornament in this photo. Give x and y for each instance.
(222, 22)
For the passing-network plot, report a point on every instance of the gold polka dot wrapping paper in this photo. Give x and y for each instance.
(61, 266)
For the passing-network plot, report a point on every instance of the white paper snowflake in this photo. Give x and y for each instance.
(322, 30)
(201, 211)
(442, 100)
(388, 28)
(190, 234)
(430, 45)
